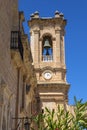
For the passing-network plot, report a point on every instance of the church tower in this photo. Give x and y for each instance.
(48, 52)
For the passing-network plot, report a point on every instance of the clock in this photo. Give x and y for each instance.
(47, 75)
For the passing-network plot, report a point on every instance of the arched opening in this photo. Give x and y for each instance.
(47, 49)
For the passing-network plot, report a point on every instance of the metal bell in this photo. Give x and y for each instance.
(47, 44)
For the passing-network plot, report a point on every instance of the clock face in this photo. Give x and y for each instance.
(47, 75)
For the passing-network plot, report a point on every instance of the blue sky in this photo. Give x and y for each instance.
(75, 39)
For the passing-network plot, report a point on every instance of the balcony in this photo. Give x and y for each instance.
(47, 58)
(16, 43)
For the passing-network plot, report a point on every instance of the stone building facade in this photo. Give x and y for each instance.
(17, 77)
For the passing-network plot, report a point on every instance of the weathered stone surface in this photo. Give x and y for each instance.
(15, 72)
(53, 90)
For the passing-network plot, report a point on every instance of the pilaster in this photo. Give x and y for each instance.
(36, 48)
(58, 43)
(40, 44)
(63, 51)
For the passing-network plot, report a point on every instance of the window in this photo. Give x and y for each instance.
(47, 50)
(28, 88)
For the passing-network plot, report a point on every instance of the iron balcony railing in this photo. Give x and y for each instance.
(16, 42)
(47, 58)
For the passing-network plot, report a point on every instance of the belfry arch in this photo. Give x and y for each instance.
(47, 48)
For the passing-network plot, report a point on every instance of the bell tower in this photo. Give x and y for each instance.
(48, 52)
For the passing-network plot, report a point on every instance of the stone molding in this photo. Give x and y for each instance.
(46, 22)
(50, 68)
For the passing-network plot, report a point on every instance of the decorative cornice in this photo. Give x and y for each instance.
(49, 87)
(54, 84)
(47, 21)
(36, 31)
(50, 68)
(57, 31)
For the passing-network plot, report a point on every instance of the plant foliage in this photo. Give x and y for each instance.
(62, 119)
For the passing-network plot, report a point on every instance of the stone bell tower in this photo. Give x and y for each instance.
(47, 47)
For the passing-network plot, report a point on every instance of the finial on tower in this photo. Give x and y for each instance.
(32, 16)
(35, 15)
(61, 15)
(58, 14)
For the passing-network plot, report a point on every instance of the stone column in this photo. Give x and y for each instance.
(54, 50)
(36, 48)
(17, 109)
(23, 93)
(62, 51)
(32, 44)
(58, 42)
(40, 54)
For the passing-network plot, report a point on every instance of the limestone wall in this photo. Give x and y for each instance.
(15, 72)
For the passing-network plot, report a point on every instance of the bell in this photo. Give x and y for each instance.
(47, 44)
